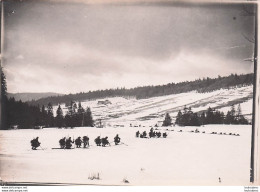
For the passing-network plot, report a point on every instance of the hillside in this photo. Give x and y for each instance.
(31, 96)
(200, 85)
(126, 111)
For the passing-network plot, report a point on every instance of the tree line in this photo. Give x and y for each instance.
(187, 117)
(28, 116)
(76, 116)
(200, 85)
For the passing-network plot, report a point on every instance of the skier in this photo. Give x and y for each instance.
(85, 141)
(219, 180)
(164, 135)
(35, 143)
(117, 139)
(78, 142)
(144, 134)
(68, 143)
(62, 142)
(104, 141)
(98, 141)
(137, 134)
(159, 134)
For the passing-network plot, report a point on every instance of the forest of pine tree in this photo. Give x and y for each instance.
(27, 116)
(187, 117)
(200, 85)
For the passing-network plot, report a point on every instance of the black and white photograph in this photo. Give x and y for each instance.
(129, 93)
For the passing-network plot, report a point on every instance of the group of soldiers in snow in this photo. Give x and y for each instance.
(104, 141)
(152, 133)
(66, 143)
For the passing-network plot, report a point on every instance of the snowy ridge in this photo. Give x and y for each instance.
(152, 110)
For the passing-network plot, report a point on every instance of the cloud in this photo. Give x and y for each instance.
(71, 47)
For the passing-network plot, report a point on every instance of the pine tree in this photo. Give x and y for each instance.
(50, 109)
(71, 110)
(72, 117)
(202, 118)
(239, 113)
(239, 117)
(3, 84)
(4, 100)
(80, 109)
(209, 116)
(59, 117)
(80, 115)
(74, 108)
(167, 121)
(233, 113)
(186, 116)
(44, 116)
(229, 118)
(88, 120)
(50, 120)
(178, 120)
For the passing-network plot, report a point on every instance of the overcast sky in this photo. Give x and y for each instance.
(68, 47)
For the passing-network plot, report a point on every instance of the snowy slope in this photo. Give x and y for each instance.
(149, 111)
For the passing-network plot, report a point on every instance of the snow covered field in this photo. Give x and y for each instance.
(183, 158)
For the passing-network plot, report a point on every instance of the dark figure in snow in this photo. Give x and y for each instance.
(219, 180)
(35, 143)
(78, 142)
(158, 134)
(151, 133)
(62, 142)
(137, 134)
(164, 135)
(117, 139)
(104, 141)
(85, 141)
(69, 143)
(144, 134)
(98, 141)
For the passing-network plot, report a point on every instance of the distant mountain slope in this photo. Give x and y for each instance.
(200, 85)
(123, 111)
(31, 96)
